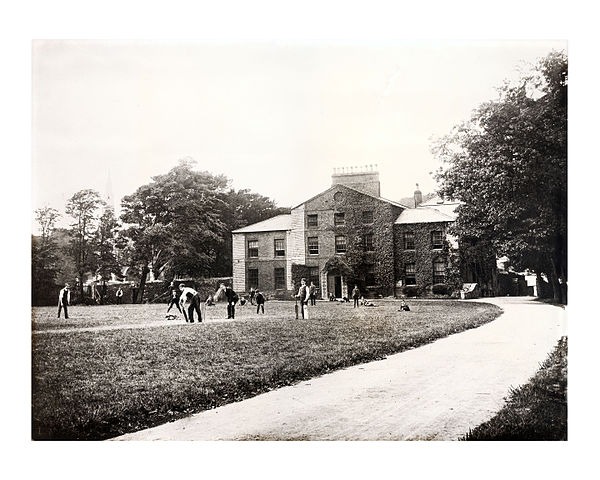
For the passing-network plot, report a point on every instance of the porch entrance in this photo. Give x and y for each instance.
(338, 286)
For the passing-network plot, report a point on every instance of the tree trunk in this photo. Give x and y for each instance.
(145, 271)
(556, 287)
(81, 287)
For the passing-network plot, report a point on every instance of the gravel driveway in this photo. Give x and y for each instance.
(435, 392)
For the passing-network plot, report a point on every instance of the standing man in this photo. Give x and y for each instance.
(119, 295)
(356, 295)
(260, 301)
(174, 298)
(313, 294)
(64, 299)
(303, 296)
(186, 299)
(252, 295)
(232, 299)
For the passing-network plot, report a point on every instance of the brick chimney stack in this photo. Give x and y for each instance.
(364, 178)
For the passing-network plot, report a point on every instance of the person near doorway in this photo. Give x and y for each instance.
(303, 296)
(313, 294)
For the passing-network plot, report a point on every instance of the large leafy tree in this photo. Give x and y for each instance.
(181, 223)
(44, 254)
(173, 224)
(84, 207)
(105, 243)
(508, 164)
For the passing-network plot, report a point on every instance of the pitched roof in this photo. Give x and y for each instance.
(443, 205)
(355, 190)
(273, 224)
(423, 215)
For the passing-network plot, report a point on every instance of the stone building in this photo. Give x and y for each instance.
(347, 235)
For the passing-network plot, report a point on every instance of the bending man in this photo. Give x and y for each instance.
(189, 298)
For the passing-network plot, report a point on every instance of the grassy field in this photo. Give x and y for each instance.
(103, 383)
(536, 410)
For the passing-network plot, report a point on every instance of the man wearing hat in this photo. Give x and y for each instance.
(64, 299)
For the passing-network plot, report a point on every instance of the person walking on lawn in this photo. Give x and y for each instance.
(119, 296)
(260, 301)
(194, 300)
(356, 295)
(174, 298)
(303, 296)
(312, 293)
(64, 299)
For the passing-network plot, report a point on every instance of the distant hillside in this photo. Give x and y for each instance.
(410, 201)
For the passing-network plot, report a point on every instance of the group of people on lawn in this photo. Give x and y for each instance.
(187, 300)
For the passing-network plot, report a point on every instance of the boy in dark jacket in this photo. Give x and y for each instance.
(232, 299)
(260, 301)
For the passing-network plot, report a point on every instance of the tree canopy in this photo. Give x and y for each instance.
(508, 164)
(84, 207)
(181, 222)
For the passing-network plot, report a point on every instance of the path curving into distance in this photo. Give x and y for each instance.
(435, 392)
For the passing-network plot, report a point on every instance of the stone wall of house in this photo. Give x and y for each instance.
(352, 203)
(266, 263)
(239, 262)
(296, 241)
(423, 255)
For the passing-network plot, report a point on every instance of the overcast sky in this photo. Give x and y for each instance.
(274, 118)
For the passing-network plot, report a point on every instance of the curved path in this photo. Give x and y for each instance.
(435, 392)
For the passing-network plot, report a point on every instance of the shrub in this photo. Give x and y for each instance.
(440, 289)
(411, 290)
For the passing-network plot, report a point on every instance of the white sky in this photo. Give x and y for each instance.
(274, 118)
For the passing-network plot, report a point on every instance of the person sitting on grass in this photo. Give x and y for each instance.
(369, 303)
(260, 301)
(210, 302)
(404, 307)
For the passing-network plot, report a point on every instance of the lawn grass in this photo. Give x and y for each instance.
(536, 410)
(100, 384)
